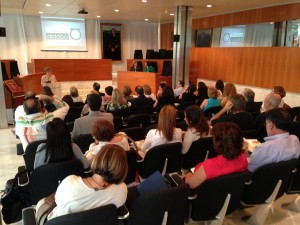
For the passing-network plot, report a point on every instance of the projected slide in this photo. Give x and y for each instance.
(63, 34)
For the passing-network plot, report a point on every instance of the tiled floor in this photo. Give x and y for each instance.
(9, 163)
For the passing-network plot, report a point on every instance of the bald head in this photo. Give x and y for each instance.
(31, 105)
(272, 101)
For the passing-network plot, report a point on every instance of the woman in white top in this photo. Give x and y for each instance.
(48, 78)
(103, 134)
(166, 131)
(74, 94)
(197, 127)
(106, 186)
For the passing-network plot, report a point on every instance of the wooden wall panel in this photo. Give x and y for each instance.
(253, 66)
(76, 69)
(262, 15)
(166, 36)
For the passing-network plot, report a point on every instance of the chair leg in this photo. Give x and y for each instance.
(292, 206)
(165, 218)
(220, 217)
(260, 215)
(165, 168)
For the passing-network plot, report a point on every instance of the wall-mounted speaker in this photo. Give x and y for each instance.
(2, 32)
(176, 37)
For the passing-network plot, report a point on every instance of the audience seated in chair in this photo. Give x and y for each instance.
(103, 133)
(228, 142)
(188, 97)
(197, 127)
(212, 100)
(84, 125)
(141, 104)
(117, 102)
(74, 94)
(127, 93)
(58, 146)
(236, 106)
(280, 91)
(229, 90)
(104, 187)
(251, 105)
(166, 131)
(279, 145)
(165, 97)
(202, 92)
(31, 127)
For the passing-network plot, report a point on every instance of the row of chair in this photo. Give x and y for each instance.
(216, 198)
(151, 54)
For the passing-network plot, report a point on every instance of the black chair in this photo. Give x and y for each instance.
(253, 107)
(118, 123)
(295, 129)
(198, 152)
(140, 64)
(105, 215)
(295, 113)
(249, 134)
(14, 69)
(135, 133)
(182, 125)
(154, 65)
(132, 166)
(70, 117)
(165, 158)
(150, 54)
(121, 112)
(140, 120)
(138, 54)
(212, 202)
(83, 141)
(162, 53)
(169, 54)
(45, 179)
(153, 126)
(184, 105)
(4, 72)
(156, 55)
(78, 106)
(268, 183)
(293, 187)
(210, 112)
(169, 205)
(167, 69)
(30, 152)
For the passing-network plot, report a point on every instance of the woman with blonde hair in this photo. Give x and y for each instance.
(212, 100)
(166, 131)
(117, 101)
(105, 186)
(74, 94)
(229, 90)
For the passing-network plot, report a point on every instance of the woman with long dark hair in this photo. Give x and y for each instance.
(58, 146)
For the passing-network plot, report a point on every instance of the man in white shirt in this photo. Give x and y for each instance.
(179, 89)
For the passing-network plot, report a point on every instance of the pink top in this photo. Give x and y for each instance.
(219, 166)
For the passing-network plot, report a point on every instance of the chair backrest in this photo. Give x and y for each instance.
(169, 54)
(83, 141)
(30, 152)
(182, 125)
(156, 157)
(138, 54)
(212, 111)
(264, 180)
(14, 69)
(212, 194)
(118, 123)
(143, 120)
(150, 209)
(294, 182)
(167, 69)
(121, 112)
(295, 129)
(249, 134)
(154, 126)
(295, 113)
(154, 64)
(105, 215)
(135, 133)
(162, 53)
(44, 179)
(132, 166)
(198, 151)
(149, 54)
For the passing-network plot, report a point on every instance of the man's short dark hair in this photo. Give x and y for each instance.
(96, 86)
(280, 117)
(181, 82)
(94, 101)
(31, 105)
(139, 90)
(109, 90)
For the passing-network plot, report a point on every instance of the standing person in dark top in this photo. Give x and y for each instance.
(112, 45)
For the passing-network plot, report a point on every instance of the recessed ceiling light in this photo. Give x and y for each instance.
(40, 12)
(146, 19)
(144, 1)
(117, 10)
(172, 14)
(98, 16)
(48, 5)
(209, 6)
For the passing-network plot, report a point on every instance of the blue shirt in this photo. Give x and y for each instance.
(280, 147)
(212, 102)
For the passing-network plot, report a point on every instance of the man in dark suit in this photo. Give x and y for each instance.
(141, 104)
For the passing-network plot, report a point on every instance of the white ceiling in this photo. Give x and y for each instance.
(131, 10)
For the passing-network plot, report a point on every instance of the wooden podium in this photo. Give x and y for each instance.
(133, 79)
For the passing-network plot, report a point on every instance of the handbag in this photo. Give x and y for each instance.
(15, 198)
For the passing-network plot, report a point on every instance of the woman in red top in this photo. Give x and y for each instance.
(228, 142)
